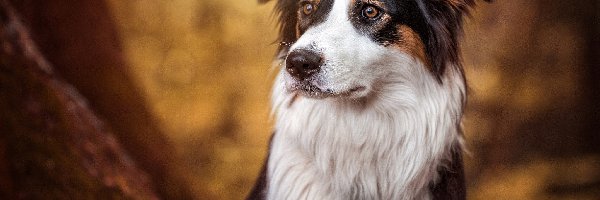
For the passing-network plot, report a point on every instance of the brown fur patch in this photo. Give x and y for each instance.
(411, 43)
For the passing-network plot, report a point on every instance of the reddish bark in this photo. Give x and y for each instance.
(53, 146)
(52, 143)
(80, 39)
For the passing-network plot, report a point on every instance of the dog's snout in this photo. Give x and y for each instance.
(302, 63)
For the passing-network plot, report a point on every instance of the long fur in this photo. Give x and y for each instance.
(326, 149)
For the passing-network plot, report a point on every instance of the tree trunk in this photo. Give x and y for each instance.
(54, 143)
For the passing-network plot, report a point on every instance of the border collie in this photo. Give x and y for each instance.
(368, 101)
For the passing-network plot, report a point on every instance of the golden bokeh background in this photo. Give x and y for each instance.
(205, 67)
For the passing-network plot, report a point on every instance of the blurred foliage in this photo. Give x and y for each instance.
(205, 66)
(532, 120)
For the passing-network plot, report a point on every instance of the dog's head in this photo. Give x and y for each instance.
(351, 48)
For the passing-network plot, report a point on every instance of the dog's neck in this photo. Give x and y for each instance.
(386, 147)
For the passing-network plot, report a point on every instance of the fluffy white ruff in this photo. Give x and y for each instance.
(386, 146)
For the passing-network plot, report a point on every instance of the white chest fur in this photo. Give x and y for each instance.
(385, 147)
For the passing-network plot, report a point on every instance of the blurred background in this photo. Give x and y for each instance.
(205, 68)
(203, 71)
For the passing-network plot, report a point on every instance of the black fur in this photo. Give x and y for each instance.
(287, 10)
(444, 24)
(451, 185)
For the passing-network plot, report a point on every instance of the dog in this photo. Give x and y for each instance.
(367, 102)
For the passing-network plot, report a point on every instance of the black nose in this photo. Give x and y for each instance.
(303, 63)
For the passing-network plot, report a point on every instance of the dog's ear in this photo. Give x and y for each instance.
(445, 19)
(286, 12)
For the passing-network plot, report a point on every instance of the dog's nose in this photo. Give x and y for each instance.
(303, 63)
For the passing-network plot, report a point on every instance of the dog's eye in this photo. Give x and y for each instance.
(308, 8)
(371, 12)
